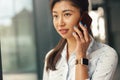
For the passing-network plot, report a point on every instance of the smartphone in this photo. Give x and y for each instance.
(86, 20)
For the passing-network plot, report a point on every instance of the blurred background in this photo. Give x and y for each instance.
(27, 34)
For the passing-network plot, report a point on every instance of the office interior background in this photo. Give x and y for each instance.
(27, 34)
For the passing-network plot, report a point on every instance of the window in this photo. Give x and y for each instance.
(17, 40)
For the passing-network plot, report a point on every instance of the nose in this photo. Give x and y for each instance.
(61, 22)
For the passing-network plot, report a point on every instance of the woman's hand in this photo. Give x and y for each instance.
(82, 39)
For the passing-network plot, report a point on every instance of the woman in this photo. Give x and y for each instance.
(77, 56)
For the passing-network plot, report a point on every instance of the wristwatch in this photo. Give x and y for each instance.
(83, 61)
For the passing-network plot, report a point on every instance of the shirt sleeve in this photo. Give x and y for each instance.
(106, 65)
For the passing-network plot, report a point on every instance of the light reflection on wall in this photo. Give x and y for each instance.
(7, 12)
(5, 22)
(98, 24)
(101, 23)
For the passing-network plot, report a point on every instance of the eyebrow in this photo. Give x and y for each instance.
(64, 11)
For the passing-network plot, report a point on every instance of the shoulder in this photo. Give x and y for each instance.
(109, 53)
(109, 50)
(101, 50)
(49, 52)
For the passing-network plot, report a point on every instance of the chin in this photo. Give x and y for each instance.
(66, 36)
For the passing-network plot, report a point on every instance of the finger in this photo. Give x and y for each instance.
(85, 32)
(76, 36)
(79, 33)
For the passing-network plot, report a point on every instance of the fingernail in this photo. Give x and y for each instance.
(85, 25)
(75, 26)
(81, 23)
(73, 33)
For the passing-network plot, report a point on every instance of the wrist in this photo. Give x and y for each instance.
(81, 55)
(82, 61)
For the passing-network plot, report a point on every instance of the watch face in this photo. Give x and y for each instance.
(85, 61)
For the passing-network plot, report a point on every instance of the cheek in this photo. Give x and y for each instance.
(54, 24)
(73, 22)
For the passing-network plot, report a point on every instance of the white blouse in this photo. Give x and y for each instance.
(102, 64)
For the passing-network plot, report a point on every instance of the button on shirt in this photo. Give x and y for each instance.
(102, 64)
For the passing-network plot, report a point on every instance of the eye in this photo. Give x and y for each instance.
(67, 14)
(55, 16)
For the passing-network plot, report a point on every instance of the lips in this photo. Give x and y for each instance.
(63, 31)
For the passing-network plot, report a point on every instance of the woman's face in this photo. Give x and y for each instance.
(65, 17)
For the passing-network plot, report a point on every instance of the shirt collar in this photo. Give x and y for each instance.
(89, 50)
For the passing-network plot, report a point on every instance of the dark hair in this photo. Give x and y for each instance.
(81, 4)
(55, 55)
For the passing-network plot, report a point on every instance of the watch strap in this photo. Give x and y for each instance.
(83, 61)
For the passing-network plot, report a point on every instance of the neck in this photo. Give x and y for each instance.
(71, 46)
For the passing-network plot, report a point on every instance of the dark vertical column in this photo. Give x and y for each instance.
(108, 22)
(0, 65)
(45, 35)
(36, 41)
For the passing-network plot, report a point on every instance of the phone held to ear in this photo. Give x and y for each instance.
(86, 20)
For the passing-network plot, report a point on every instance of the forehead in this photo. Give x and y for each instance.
(64, 5)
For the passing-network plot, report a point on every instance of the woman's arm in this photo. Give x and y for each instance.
(83, 40)
(81, 70)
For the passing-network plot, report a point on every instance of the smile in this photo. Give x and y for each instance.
(63, 31)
